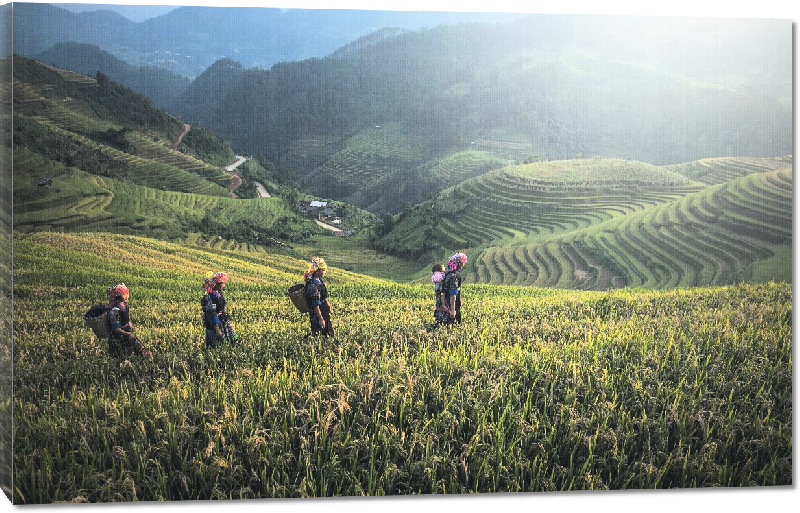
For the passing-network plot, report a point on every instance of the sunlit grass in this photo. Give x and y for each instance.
(537, 390)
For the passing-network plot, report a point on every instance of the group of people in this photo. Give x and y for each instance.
(122, 338)
(218, 329)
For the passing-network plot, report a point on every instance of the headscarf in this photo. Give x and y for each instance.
(458, 258)
(215, 278)
(115, 292)
(313, 266)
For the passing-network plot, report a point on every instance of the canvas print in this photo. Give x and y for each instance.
(262, 252)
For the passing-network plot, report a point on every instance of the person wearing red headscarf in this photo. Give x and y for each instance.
(122, 339)
(215, 317)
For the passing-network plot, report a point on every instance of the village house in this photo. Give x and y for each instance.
(322, 210)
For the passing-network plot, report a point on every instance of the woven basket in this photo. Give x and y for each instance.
(297, 293)
(97, 318)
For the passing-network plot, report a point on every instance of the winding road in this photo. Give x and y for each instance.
(239, 161)
(262, 191)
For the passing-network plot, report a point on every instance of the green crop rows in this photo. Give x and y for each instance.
(537, 390)
(82, 201)
(708, 237)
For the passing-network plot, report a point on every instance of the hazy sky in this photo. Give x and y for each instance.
(132, 12)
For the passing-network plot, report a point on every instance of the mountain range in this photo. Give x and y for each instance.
(189, 39)
(463, 136)
(541, 88)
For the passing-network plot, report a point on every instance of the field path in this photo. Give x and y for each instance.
(328, 227)
(239, 161)
(177, 143)
(237, 180)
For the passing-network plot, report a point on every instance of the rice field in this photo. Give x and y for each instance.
(716, 236)
(537, 390)
(599, 224)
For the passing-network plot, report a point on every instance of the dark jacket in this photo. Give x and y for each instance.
(214, 309)
(316, 293)
(451, 285)
(119, 317)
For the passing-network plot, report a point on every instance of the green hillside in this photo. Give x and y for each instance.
(604, 223)
(100, 127)
(383, 168)
(720, 170)
(518, 204)
(111, 162)
(739, 231)
(541, 88)
(580, 223)
(538, 390)
(82, 201)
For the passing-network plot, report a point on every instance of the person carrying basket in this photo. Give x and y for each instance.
(122, 340)
(316, 293)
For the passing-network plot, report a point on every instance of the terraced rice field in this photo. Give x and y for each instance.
(82, 201)
(370, 156)
(509, 207)
(713, 237)
(159, 168)
(719, 170)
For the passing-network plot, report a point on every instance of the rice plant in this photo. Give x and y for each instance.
(537, 390)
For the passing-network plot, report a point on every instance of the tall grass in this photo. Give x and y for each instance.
(537, 390)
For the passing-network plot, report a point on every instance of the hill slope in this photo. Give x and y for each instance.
(581, 223)
(542, 88)
(91, 155)
(604, 223)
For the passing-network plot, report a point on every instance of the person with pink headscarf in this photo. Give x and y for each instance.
(215, 317)
(451, 286)
(122, 340)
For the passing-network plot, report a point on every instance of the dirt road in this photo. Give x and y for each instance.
(262, 191)
(239, 161)
(327, 226)
(177, 143)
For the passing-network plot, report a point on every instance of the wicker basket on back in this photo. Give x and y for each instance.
(97, 318)
(297, 293)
